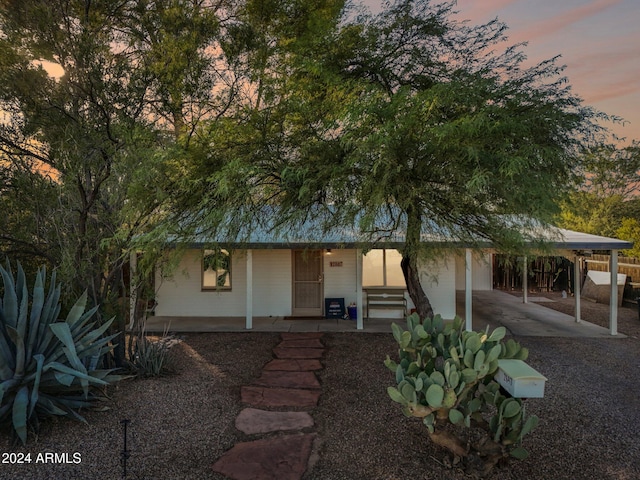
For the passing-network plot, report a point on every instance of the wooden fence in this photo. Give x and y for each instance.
(628, 265)
(545, 273)
(556, 273)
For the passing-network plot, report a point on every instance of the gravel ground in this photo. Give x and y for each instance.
(180, 424)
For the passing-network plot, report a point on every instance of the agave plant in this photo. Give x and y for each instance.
(48, 366)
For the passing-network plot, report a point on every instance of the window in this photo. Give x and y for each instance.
(381, 268)
(216, 270)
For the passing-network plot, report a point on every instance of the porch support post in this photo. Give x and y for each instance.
(613, 301)
(133, 288)
(359, 305)
(249, 299)
(577, 278)
(468, 289)
(525, 278)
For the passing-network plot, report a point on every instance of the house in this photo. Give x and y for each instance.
(293, 275)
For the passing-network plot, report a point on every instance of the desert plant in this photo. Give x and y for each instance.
(151, 358)
(48, 366)
(445, 376)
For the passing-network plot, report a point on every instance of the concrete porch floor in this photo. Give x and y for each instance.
(493, 308)
(266, 324)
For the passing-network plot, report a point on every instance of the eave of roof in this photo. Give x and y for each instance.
(561, 239)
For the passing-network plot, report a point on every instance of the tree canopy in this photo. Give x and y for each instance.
(196, 115)
(408, 114)
(606, 202)
(137, 77)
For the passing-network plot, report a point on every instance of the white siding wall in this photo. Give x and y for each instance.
(481, 271)
(438, 279)
(272, 283)
(340, 281)
(182, 295)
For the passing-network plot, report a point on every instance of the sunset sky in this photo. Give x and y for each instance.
(598, 40)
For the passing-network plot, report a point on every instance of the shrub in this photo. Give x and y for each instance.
(151, 358)
(48, 366)
(445, 377)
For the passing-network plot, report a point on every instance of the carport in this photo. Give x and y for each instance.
(495, 308)
(567, 243)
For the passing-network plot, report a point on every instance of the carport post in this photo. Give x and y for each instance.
(613, 300)
(468, 290)
(359, 307)
(525, 277)
(577, 278)
(249, 299)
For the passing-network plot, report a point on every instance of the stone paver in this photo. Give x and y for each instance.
(288, 379)
(252, 421)
(278, 458)
(282, 352)
(302, 343)
(300, 335)
(279, 397)
(293, 365)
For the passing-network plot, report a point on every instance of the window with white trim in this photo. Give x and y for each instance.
(216, 269)
(381, 268)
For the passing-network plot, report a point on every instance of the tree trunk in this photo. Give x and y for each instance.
(414, 287)
(409, 265)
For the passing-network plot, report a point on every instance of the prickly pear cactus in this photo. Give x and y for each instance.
(445, 377)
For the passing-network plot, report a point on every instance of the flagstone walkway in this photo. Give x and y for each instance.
(276, 412)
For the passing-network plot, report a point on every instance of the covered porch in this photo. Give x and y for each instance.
(491, 308)
(263, 297)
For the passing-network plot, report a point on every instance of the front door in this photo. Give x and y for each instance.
(307, 283)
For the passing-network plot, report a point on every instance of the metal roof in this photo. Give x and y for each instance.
(570, 240)
(315, 234)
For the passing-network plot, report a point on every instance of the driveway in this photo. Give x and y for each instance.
(495, 308)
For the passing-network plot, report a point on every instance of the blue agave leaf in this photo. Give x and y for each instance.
(37, 305)
(6, 386)
(7, 356)
(64, 369)
(97, 346)
(18, 341)
(10, 300)
(82, 321)
(22, 295)
(20, 404)
(62, 331)
(95, 334)
(36, 384)
(77, 310)
(48, 406)
(65, 379)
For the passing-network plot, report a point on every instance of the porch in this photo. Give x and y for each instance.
(491, 307)
(266, 324)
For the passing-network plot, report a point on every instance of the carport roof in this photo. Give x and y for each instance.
(571, 240)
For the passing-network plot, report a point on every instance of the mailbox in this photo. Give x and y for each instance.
(520, 379)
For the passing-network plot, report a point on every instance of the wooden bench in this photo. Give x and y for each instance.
(386, 298)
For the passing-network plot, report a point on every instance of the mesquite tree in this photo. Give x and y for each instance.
(407, 121)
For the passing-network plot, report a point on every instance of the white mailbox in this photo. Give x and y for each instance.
(520, 379)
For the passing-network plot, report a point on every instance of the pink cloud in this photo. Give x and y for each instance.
(476, 11)
(612, 90)
(603, 62)
(557, 23)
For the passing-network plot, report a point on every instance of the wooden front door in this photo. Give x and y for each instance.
(307, 283)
